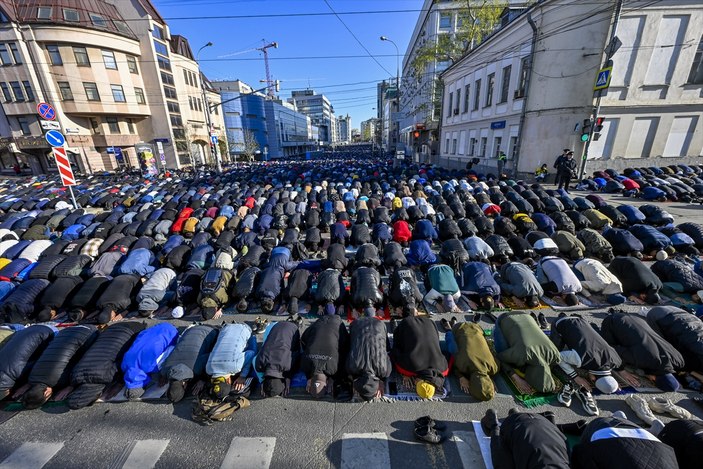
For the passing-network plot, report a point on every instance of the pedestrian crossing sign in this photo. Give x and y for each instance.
(603, 80)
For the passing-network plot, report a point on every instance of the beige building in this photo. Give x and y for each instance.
(527, 89)
(114, 75)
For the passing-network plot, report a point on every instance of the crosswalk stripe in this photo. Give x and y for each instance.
(141, 454)
(249, 453)
(469, 451)
(31, 455)
(365, 451)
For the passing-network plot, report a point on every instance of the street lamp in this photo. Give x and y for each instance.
(208, 118)
(397, 84)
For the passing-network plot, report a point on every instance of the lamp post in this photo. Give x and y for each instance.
(397, 83)
(208, 119)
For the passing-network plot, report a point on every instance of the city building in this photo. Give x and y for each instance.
(368, 129)
(295, 135)
(320, 111)
(531, 98)
(119, 82)
(344, 129)
(390, 121)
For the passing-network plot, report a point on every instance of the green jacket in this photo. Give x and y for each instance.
(474, 360)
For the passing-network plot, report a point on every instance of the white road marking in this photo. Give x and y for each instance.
(365, 451)
(249, 453)
(31, 455)
(142, 454)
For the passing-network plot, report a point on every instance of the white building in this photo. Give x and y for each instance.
(527, 89)
(344, 129)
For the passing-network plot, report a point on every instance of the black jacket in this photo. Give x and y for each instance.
(529, 441)
(639, 345)
(246, 283)
(88, 294)
(120, 294)
(19, 306)
(58, 293)
(330, 286)
(416, 350)
(365, 284)
(21, 351)
(672, 270)
(368, 349)
(634, 275)
(191, 353)
(403, 288)
(574, 333)
(279, 353)
(681, 329)
(45, 266)
(53, 368)
(325, 344)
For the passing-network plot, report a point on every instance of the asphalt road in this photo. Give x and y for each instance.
(293, 432)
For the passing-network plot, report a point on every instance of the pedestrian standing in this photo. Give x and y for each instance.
(557, 163)
(566, 171)
(502, 158)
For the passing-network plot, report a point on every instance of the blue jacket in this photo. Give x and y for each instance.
(149, 350)
(201, 257)
(633, 214)
(72, 232)
(420, 253)
(233, 353)
(652, 193)
(280, 259)
(171, 243)
(424, 230)
(139, 262)
(477, 279)
(652, 239)
(5, 289)
(226, 211)
(544, 223)
(339, 232)
(681, 239)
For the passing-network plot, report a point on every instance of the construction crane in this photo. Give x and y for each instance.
(269, 82)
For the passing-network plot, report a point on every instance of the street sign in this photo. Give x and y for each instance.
(64, 166)
(119, 156)
(162, 155)
(603, 80)
(50, 125)
(497, 125)
(55, 138)
(213, 139)
(47, 111)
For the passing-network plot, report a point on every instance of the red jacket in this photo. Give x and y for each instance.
(401, 232)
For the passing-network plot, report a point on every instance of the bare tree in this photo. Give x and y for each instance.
(251, 146)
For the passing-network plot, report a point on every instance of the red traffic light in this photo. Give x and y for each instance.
(416, 134)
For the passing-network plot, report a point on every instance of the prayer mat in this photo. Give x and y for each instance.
(513, 302)
(395, 390)
(505, 385)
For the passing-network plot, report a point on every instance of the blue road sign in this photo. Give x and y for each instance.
(47, 111)
(55, 138)
(603, 79)
(213, 139)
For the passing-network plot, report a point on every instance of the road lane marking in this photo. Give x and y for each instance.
(141, 454)
(365, 451)
(31, 455)
(249, 453)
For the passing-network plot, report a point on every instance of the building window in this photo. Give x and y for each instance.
(467, 94)
(505, 84)
(453, 146)
(69, 14)
(130, 126)
(122, 27)
(17, 91)
(513, 147)
(5, 55)
(449, 104)
(484, 144)
(173, 107)
(158, 32)
(170, 93)
(139, 93)
(477, 95)
(113, 125)
(497, 141)
(176, 121)
(160, 48)
(186, 76)
(167, 78)
(16, 56)
(109, 60)
(445, 21)
(524, 66)
(458, 101)
(6, 92)
(164, 64)
(472, 146)
(132, 64)
(81, 55)
(65, 89)
(696, 75)
(28, 91)
(24, 125)
(98, 20)
(190, 103)
(44, 13)
(94, 125)
(446, 145)
(54, 54)
(118, 94)
(489, 89)
(91, 91)
(200, 104)
(217, 112)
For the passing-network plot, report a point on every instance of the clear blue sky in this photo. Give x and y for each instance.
(299, 36)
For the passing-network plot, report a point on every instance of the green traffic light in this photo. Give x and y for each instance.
(584, 137)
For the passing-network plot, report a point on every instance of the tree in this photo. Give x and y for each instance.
(478, 19)
(251, 146)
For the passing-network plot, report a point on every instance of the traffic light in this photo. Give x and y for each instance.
(598, 127)
(416, 134)
(586, 130)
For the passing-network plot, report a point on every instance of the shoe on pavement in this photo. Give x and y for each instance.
(428, 421)
(641, 409)
(587, 401)
(453, 321)
(565, 395)
(445, 325)
(428, 434)
(542, 321)
(489, 422)
(477, 317)
(662, 405)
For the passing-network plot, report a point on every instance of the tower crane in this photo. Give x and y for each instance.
(269, 82)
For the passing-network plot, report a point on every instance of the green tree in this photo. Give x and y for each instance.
(477, 19)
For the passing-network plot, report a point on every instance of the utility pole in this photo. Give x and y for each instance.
(208, 118)
(610, 51)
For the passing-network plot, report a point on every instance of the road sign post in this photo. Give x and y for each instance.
(65, 171)
(47, 111)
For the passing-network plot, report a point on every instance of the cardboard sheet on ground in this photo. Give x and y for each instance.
(484, 444)
(505, 385)
(152, 392)
(559, 305)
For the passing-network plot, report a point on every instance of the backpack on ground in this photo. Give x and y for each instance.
(207, 411)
